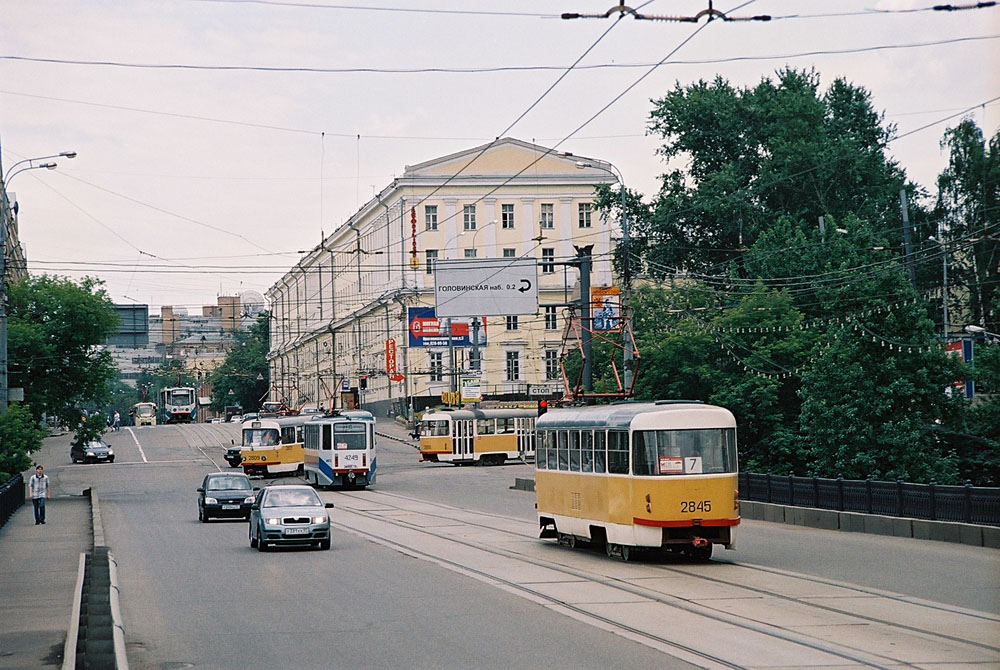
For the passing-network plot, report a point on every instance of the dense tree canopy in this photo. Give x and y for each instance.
(55, 327)
(246, 361)
(772, 280)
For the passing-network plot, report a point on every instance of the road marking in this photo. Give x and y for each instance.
(136, 439)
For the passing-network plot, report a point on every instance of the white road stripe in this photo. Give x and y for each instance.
(141, 452)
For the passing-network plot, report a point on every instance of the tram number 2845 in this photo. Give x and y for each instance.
(691, 506)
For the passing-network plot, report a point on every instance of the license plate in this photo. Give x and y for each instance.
(102, 455)
(230, 507)
(296, 531)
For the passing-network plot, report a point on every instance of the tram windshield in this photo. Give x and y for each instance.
(684, 452)
(349, 436)
(260, 437)
(145, 410)
(182, 396)
(434, 428)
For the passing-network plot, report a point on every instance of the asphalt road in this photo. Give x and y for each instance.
(196, 595)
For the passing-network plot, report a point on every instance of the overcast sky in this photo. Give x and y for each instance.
(196, 182)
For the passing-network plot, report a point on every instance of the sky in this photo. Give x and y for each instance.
(209, 177)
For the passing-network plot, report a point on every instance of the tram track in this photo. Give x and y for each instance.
(689, 605)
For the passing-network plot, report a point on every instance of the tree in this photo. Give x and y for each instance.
(19, 436)
(969, 207)
(55, 326)
(246, 361)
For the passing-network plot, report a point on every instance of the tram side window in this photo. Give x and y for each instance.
(643, 454)
(587, 451)
(541, 453)
(485, 427)
(288, 435)
(600, 456)
(574, 451)
(312, 437)
(618, 452)
(550, 446)
(563, 440)
(505, 425)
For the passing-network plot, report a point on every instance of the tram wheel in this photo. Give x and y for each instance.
(609, 549)
(627, 553)
(567, 540)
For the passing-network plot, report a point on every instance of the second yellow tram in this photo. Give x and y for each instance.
(479, 436)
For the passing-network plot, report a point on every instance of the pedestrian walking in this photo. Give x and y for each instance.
(118, 421)
(38, 489)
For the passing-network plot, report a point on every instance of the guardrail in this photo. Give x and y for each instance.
(11, 497)
(934, 502)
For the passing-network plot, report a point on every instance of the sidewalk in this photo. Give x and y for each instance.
(38, 573)
(397, 431)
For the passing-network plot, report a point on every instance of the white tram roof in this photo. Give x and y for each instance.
(659, 415)
(348, 415)
(278, 421)
(467, 414)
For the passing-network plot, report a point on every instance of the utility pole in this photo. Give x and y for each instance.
(585, 261)
(475, 345)
(451, 357)
(907, 242)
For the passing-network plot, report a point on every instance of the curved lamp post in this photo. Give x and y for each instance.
(13, 171)
(627, 354)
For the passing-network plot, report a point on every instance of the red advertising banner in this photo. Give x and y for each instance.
(390, 361)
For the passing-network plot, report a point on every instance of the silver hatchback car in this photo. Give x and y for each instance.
(290, 515)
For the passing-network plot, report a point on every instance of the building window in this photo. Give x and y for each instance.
(469, 217)
(551, 319)
(551, 364)
(585, 209)
(506, 216)
(548, 215)
(470, 253)
(431, 217)
(548, 256)
(512, 322)
(509, 253)
(431, 255)
(437, 366)
(513, 366)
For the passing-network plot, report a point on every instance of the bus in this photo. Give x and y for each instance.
(178, 404)
(144, 413)
(272, 446)
(339, 448)
(479, 436)
(639, 476)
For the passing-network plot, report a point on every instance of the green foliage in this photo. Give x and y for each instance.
(19, 436)
(54, 327)
(243, 365)
(90, 428)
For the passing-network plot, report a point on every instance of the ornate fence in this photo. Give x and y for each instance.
(968, 504)
(11, 497)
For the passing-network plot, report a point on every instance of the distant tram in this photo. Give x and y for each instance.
(177, 404)
(480, 436)
(272, 446)
(639, 476)
(144, 413)
(339, 448)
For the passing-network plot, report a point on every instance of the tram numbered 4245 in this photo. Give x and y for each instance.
(639, 476)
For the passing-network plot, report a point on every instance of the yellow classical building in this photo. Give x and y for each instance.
(354, 322)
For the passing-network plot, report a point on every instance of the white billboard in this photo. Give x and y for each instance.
(485, 287)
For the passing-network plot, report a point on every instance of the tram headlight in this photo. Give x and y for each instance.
(319, 519)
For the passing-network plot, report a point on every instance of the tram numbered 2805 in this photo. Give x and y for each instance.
(339, 448)
(272, 446)
(639, 476)
(479, 436)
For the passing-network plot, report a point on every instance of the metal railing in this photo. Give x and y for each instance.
(937, 502)
(11, 497)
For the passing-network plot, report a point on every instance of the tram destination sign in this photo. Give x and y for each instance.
(485, 287)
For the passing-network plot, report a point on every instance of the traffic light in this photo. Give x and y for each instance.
(363, 382)
(543, 406)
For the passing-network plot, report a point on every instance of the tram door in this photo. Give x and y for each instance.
(525, 428)
(462, 442)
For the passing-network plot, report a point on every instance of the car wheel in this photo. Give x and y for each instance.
(253, 540)
(202, 515)
(324, 544)
(261, 545)
(111, 460)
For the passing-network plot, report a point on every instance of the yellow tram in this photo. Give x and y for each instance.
(639, 475)
(480, 436)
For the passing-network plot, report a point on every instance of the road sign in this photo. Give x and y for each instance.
(485, 287)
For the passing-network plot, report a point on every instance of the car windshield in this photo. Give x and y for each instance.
(234, 483)
(292, 498)
(97, 445)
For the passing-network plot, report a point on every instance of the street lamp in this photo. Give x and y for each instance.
(28, 164)
(979, 330)
(627, 354)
